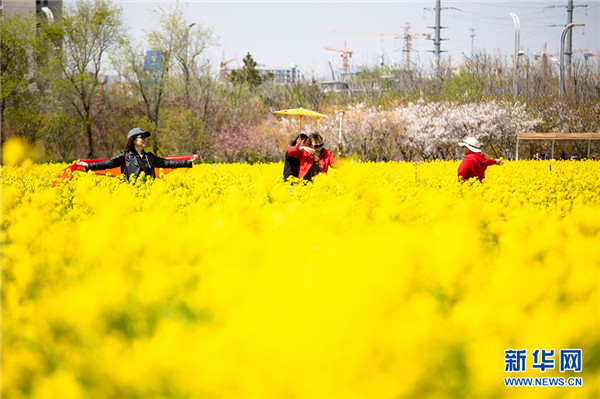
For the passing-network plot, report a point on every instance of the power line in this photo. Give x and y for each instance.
(487, 23)
(437, 41)
(569, 44)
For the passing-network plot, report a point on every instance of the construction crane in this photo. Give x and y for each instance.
(458, 68)
(579, 50)
(223, 68)
(361, 33)
(408, 42)
(345, 53)
(223, 63)
(381, 34)
(407, 35)
(544, 56)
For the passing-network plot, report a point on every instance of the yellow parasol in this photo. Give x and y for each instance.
(300, 112)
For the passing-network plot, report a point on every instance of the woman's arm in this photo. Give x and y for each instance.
(298, 151)
(334, 162)
(167, 163)
(114, 162)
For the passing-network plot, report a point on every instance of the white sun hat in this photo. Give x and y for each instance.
(471, 143)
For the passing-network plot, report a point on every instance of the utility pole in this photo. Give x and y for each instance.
(437, 40)
(472, 40)
(516, 54)
(569, 38)
(545, 68)
(381, 59)
(569, 43)
(408, 42)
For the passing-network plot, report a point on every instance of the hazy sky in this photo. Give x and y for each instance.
(279, 33)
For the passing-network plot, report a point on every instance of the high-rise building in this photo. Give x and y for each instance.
(154, 64)
(282, 76)
(13, 7)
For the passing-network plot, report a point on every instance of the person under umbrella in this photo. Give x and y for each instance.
(314, 158)
(291, 164)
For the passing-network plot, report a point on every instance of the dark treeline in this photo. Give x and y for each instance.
(56, 91)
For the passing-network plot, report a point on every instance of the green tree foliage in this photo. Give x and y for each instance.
(248, 74)
(59, 130)
(465, 85)
(32, 107)
(371, 84)
(18, 42)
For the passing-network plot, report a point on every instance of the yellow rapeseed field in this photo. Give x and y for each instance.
(386, 280)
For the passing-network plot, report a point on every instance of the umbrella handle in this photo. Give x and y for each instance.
(300, 124)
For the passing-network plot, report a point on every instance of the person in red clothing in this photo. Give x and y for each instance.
(291, 165)
(474, 163)
(314, 158)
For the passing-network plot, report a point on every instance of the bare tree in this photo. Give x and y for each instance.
(175, 49)
(89, 30)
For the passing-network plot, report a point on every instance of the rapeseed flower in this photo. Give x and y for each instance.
(377, 280)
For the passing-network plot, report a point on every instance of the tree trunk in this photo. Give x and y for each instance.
(88, 131)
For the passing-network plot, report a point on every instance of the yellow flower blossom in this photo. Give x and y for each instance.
(378, 280)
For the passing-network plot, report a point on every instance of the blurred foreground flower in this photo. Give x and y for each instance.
(16, 151)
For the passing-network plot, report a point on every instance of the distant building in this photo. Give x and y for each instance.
(14, 7)
(282, 76)
(279, 76)
(328, 86)
(154, 64)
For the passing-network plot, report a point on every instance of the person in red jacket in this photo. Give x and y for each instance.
(291, 165)
(314, 159)
(474, 163)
